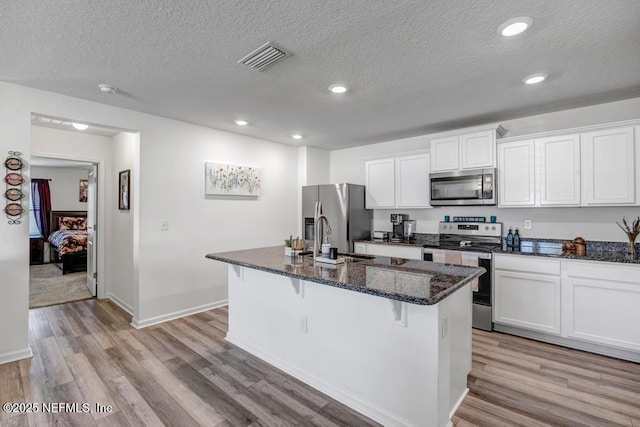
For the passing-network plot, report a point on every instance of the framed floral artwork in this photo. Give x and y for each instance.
(222, 179)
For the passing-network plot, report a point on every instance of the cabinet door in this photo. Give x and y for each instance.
(516, 174)
(477, 150)
(444, 154)
(379, 176)
(609, 167)
(528, 301)
(600, 304)
(394, 251)
(360, 248)
(559, 170)
(412, 181)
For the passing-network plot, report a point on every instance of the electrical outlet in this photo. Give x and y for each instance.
(164, 224)
(303, 324)
(527, 224)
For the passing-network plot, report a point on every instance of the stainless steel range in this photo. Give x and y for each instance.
(470, 243)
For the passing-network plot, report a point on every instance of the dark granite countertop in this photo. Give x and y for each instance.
(553, 249)
(413, 281)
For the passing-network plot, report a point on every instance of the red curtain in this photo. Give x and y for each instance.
(41, 199)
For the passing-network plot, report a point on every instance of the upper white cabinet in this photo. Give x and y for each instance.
(401, 181)
(559, 170)
(594, 168)
(379, 177)
(472, 148)
(445, 154)
(516, 174)
(609, 166)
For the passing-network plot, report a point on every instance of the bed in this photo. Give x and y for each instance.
(68, 240)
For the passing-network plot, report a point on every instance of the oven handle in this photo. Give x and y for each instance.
(427, 253)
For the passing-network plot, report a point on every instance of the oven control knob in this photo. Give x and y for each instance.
(486, 227)
(493, 228)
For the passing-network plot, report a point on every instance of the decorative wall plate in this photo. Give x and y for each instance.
(13, 178)
(13, 209)
(13, 194)
(13, 163)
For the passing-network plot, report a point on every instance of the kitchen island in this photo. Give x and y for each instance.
(389, 337)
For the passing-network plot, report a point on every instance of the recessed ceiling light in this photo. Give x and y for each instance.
(107, 88)
(296, 136)
(80, 126)
(534, 78)
(338, 88)
(241, 122)
(515, 26)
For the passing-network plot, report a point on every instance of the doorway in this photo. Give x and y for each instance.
(62, 231)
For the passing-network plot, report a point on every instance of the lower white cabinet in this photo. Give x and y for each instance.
(527, 293)
(392, 251)
(601, 303)
(589, 301)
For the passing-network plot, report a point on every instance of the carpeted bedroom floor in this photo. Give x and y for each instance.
(49, 287)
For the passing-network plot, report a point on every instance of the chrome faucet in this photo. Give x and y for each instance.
(319, 217)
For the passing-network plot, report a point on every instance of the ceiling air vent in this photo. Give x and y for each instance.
(263, 57)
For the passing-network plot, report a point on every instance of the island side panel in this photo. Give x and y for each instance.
(352, 349)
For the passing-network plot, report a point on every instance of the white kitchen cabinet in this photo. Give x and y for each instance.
(394, 251)
(445, 154)
(412, 181)
(595, 166)
(608, 161)
(473, 148)
(360, 248)
(527, 293)
(600, 303)
(398, 182)
(559, 170)
(478, 150)
(380, 187)
(516, 173)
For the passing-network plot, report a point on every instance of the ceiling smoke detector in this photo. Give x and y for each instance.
(264, 57)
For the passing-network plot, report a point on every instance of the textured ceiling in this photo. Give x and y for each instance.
(413, 66)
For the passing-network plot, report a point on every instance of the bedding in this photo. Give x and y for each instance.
(68, 241)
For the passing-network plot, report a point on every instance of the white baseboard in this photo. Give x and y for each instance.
(139, 324)
(457, 405)
(12, 356)
(123, 305)
(348, 399)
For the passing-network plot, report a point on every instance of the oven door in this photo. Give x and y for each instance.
(481, 287)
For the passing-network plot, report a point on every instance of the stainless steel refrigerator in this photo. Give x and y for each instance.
(344, 207)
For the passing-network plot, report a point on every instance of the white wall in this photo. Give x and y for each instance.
(122, 261)
(173, 276)
(597, 223)
(64, 186)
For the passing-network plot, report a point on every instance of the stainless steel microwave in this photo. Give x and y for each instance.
(469, 187)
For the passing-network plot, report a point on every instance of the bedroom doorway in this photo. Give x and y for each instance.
(62, 216)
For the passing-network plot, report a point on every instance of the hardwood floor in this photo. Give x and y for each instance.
(183, 373)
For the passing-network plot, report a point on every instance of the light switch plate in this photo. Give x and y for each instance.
(164, 224)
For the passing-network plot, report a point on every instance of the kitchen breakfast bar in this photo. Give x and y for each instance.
(389, 337)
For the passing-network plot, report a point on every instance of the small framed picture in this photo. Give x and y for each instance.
(124, 190)
(84, 183)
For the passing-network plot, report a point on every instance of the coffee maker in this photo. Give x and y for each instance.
(397, 221)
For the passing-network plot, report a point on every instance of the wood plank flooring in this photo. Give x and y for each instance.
(183, 373)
